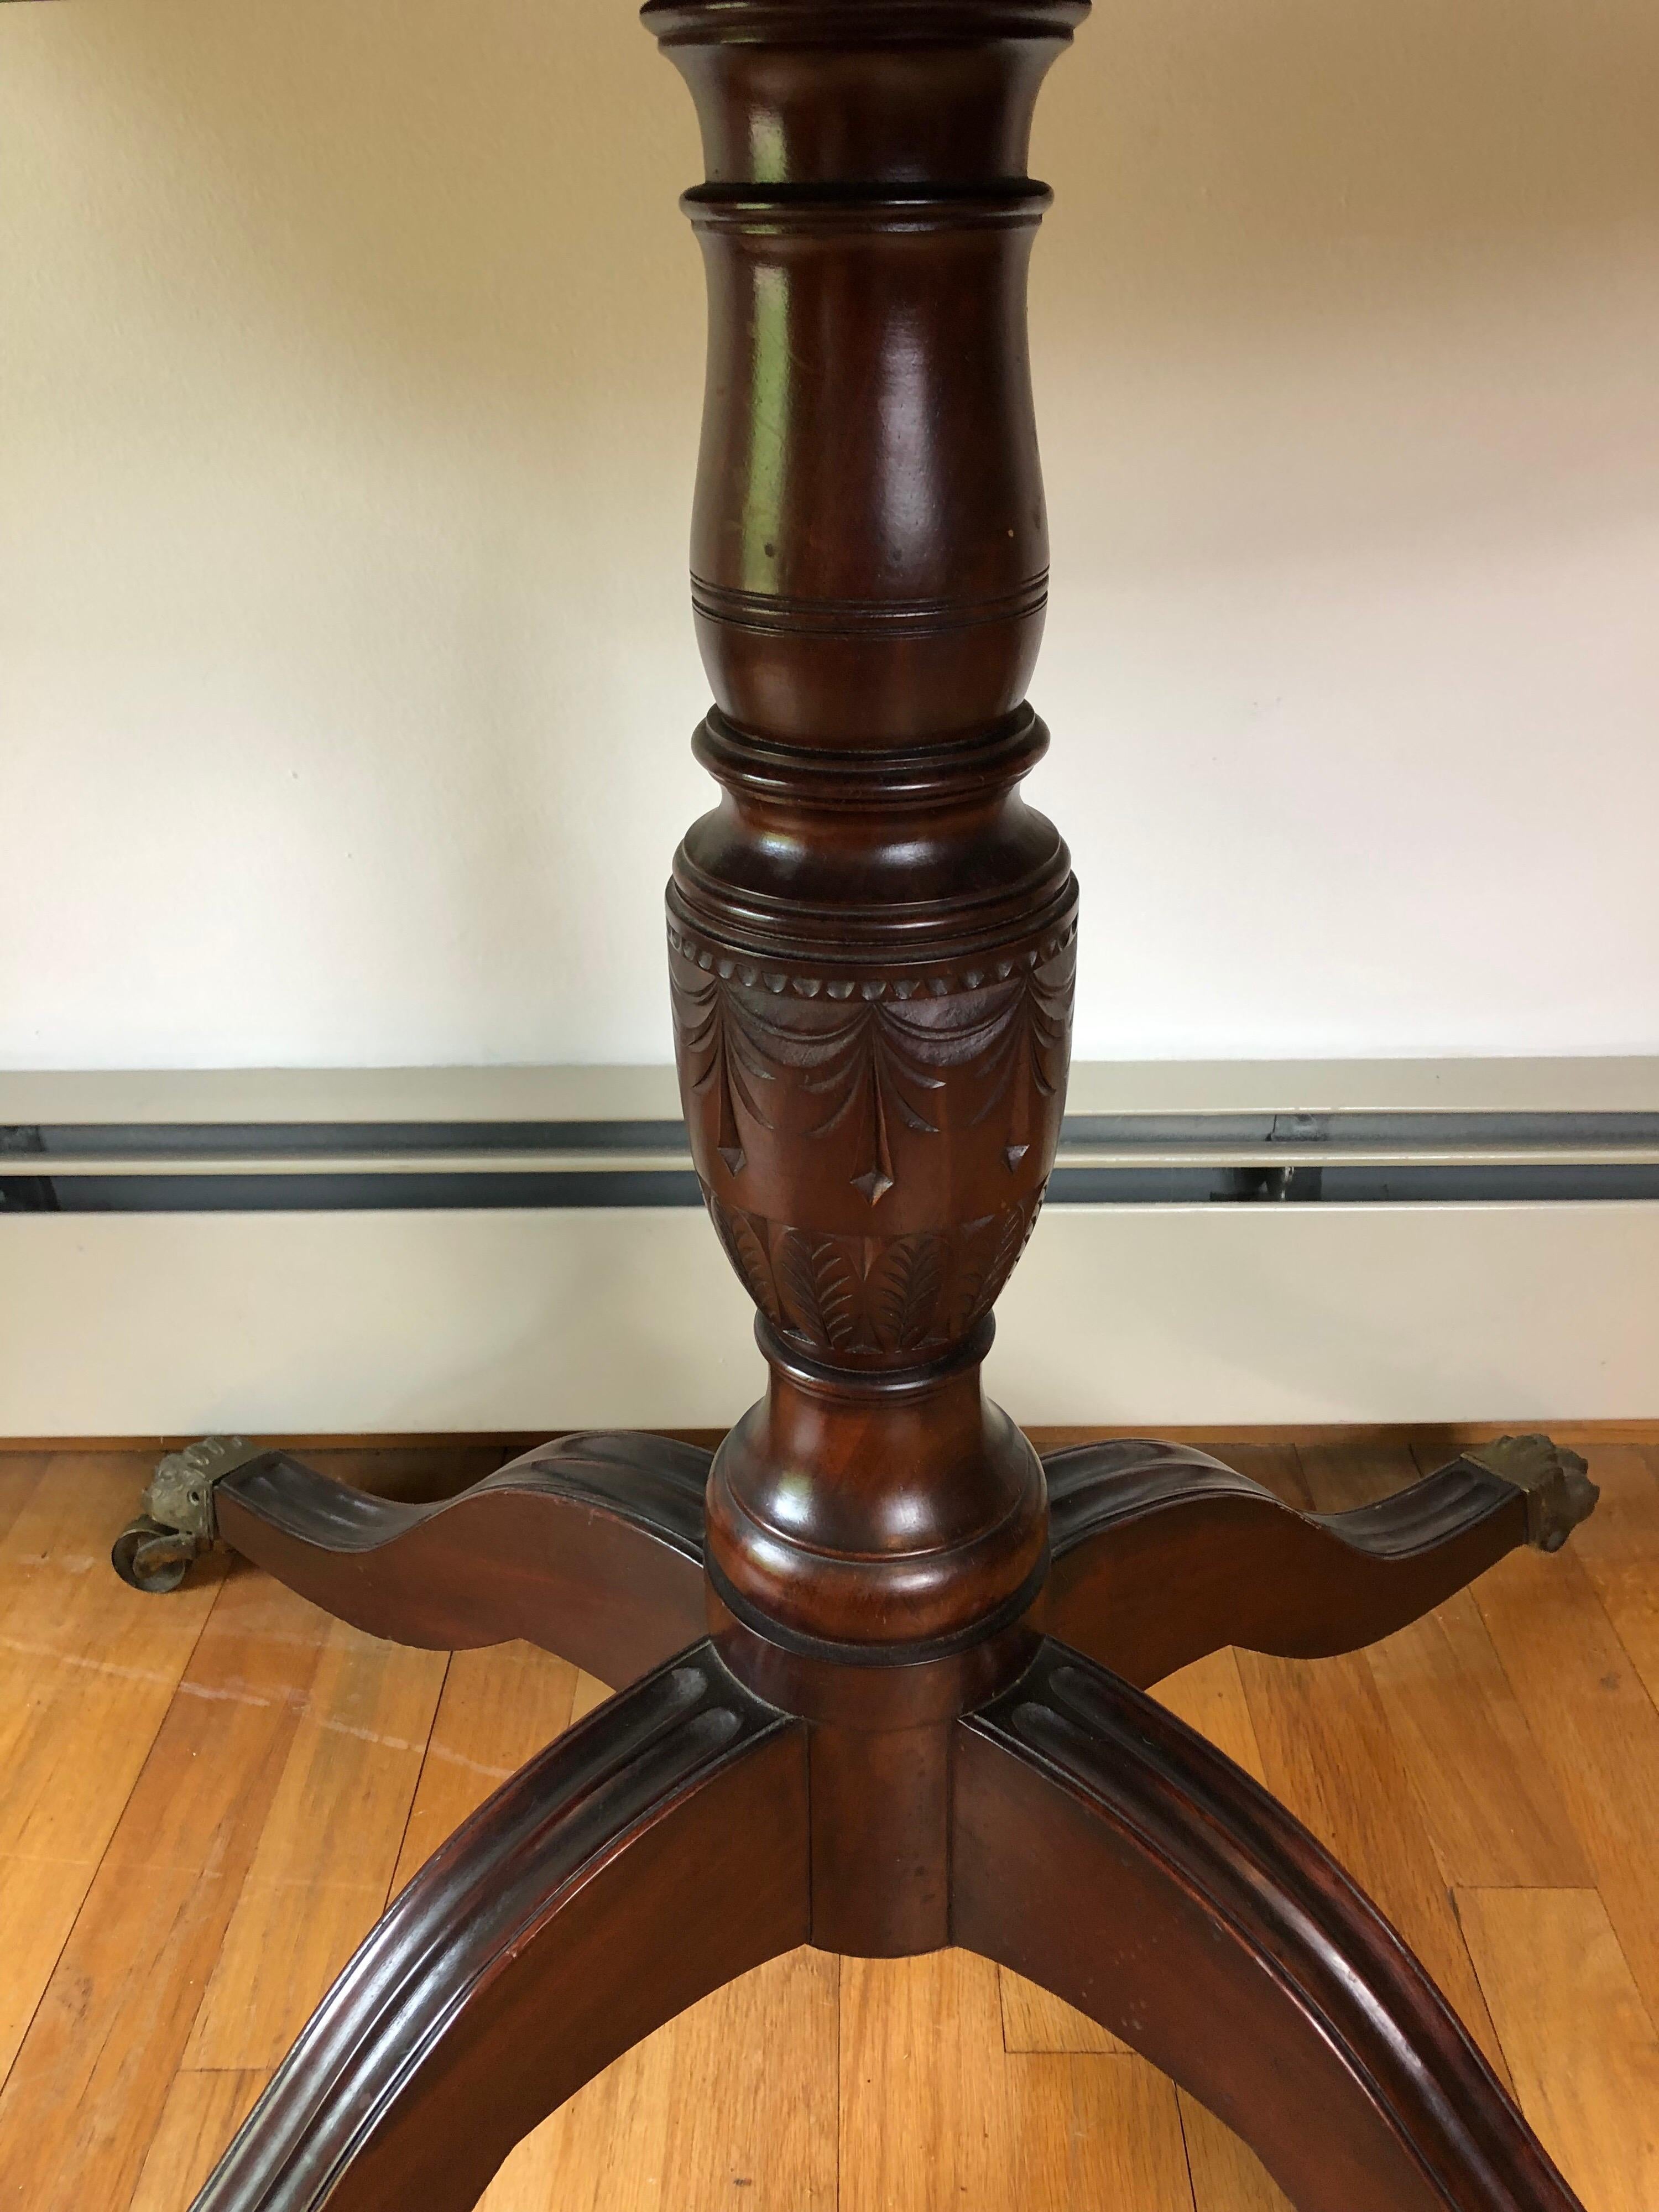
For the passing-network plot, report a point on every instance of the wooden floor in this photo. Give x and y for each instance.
(206, 1799)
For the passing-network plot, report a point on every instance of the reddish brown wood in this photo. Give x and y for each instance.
(1161, 1554)
(550, 1934)
(871, 941)
(880, 1738)
(872, 937)
(591, 1547)
(1107, 1853)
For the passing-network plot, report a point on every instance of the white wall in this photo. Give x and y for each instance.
(317, 1324)
(350, 359)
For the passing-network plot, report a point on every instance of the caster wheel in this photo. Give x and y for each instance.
(148, 1557)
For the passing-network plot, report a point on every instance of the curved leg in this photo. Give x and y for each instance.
(1103, 1850)
(591, 1547)
(1161, 1553)
(653, 1853)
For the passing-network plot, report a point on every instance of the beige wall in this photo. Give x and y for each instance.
(348, 369)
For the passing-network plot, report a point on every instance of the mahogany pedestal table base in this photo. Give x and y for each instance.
(883, 1672)
(1016, 1793)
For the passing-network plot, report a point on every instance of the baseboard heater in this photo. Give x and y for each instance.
(1105, 1159)
(419, 1251)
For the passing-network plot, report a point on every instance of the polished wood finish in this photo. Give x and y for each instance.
(544, 1940)
(862, 1733)
(1161, 1553)
(1234, 1955)
(589, 1547)
(872, 937)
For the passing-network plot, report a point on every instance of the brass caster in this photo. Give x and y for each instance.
(1559, 1492)
(176, 1522)
(148, 1557)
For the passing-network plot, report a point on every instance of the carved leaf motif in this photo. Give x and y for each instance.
(821, 1282)
(905, 1287)
(991, 1249)
(745, 1247)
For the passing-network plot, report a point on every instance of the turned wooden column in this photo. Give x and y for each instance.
(872, 936)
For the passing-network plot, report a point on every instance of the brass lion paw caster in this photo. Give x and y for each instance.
(1559, 1492)
(175, 1522)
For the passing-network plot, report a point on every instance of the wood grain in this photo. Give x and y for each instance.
(1581, 2043)
(1209, 1695)
(590, 1692)
(1597, 1729)
(1226, 2174)
(607, 2148)
(735, 2102)
(115, 2018)
(592, 1547)
(20, 1473)
(926, 2117)
(753, 2111)
(545, 1940)
(1091, 2132)
(1493, 1814)
(497, 1710)
(1035, 2021)
(350, 1774)
(738, 2093)
(1236, 1954)
(87, 1672)
(201, 2113)
(1328, 1753)
(1162, 1554)
(1618, 1550)
(80, 1662)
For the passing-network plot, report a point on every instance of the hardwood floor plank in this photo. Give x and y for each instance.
(20, 1473)
(1092, 2132)
(1581, 2043)
(1328, 1753)
(934, 2115)
(1034, 2021)
(1618, 1548)
(605, 2151)
(1493, 1814)
(39, 1899)
(88, 1669)
(1596, 1731)
(91, 2081)
(754, 2109)
(83, 1661)
(925, 2117)
(590, 1691)
(499, 1707)
(1209, 1695)
(734, 2101)
(203, 2113)
(1226, 2174)
(329, 1849)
